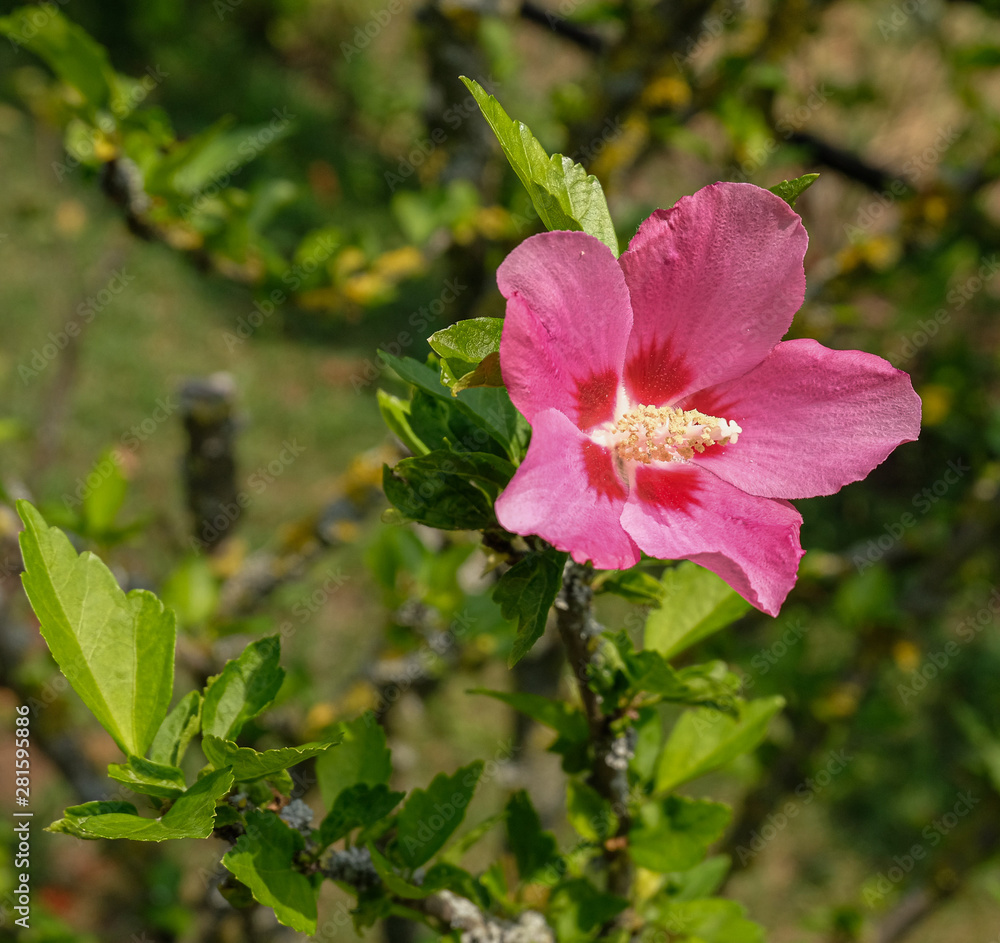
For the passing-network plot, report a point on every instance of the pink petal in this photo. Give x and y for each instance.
(683, 512)
(567, 325)
(715, 282)
(567, 492)
(813, 420)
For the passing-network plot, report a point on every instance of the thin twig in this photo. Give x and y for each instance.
(566, 29)
(911, 910)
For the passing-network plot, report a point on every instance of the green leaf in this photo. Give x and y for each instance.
(248, 764)
(495, 413)
(708, 921)
(67, 49)
(534, 849)
(468, 340)
(649, 735)
(564, 194)
(177, 171)
(446, 876)
(444, 422)
(191, 816)
(362, 757)
(695, 604)
(703, 880)
(526, 592)
(489, 409)
(442, 875)
(565, 719)
(588, 812)
(149, 778)
(357, 806)
(711, 684)
(244, 687)
(577, 910)
(448, 490)
(281, 780)
(791, 190)
(470, 353)
(264, 860)
(456, 851)
(635, 585)
(198, 162)
(116, 651)
(396, 415)
(432, 814)
(175, 733)
(704, 739)
(226, 815)
(395, 883)
(674, 834)
(494, 880)
(76, 816)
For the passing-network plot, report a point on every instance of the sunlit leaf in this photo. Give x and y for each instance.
(705, 739)
(695, 604)
(565, 195)
(191, 816)
(244, 687)
(117, 651)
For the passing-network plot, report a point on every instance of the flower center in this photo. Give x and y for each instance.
(666, 434)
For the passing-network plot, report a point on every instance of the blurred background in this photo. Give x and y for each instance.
(196, 277)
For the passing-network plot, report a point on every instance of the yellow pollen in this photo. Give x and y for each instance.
(667, 434)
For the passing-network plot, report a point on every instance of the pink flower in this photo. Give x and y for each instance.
(667, 415)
